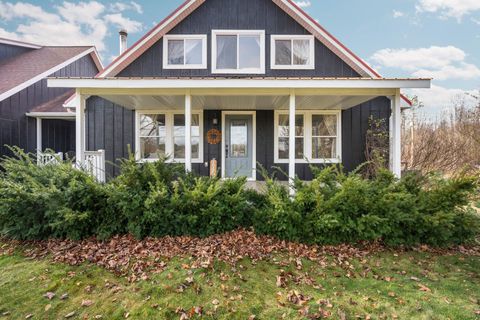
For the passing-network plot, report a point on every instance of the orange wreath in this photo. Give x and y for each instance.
(214, 136)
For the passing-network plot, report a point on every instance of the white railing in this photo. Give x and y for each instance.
(44, 159)
(94, 163)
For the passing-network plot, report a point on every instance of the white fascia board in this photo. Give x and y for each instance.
(20, 44)
(51, 115)
(144, 41)
(332, 41)
(239, 83)
(45, 74)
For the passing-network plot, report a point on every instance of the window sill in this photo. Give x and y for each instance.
(311, 161)
(291, 67)
(169, 161)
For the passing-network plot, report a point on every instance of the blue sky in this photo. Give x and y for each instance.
(400, 38)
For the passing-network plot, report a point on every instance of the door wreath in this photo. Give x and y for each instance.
(214, 136)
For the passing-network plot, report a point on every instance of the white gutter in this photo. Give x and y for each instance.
(51, 115)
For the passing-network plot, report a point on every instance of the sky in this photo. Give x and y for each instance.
(437, 39)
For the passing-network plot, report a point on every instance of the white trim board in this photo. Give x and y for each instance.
(44, 74)
(51, 115)
(360, 83)
(254, 141)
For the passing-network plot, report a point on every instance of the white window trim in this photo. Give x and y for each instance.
(238, 33)
(292, 66)
(307, 136)
(169, 147)
(202, 37)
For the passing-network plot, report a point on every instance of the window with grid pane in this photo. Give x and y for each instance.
(179, 136)
(324, 136)
(283, 131)
(153, 135)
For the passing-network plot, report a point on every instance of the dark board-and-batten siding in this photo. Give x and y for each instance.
(112, 128)
(239, 15)
(18, 129)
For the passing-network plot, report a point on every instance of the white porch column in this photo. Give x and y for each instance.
(291, 142)
(188, 131)
(39, 135)
(395, 136)
(80, 129)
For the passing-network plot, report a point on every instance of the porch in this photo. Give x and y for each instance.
(253, 117)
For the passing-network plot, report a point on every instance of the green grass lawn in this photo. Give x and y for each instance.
(383, 286)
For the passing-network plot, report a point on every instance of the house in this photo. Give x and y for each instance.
(241, 82)
(32, 115)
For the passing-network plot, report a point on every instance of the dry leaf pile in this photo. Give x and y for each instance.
(127, 256)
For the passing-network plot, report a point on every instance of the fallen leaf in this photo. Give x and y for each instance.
(47, 307)
(215, 302)
(49, 295)
(87, 303)
(28, 316)
(423, 288)
(69, 315)
(64, 296)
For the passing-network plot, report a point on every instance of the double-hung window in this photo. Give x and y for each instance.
(185, 52)
(238, 51)
(292, 52)
(162, 134)
(317, 137)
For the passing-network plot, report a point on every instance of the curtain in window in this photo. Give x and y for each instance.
(193, 51)
(301, 52)
(175, 52)
(226, 52)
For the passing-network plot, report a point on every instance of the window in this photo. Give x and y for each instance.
(317, 136)
(238, 51)
(324, 136)
(185, 52)
(292, 52)
(163, 135)
(283, 136)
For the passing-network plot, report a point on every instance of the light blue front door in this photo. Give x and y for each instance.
(238, 145)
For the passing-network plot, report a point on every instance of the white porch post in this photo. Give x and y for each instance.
(188, 131)
(395, 136)
(39, 135)
(291, 142)
(80, 129)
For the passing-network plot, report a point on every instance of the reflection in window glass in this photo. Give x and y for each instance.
(238, 139)
(249, 46)
(324, 136)
(226, 52)
(152, 136)
(301, 52)
(283, 52)
(193, 51)
(283, 136)
(179, 136)
(185, 52)
(175, 52)
(292, 52)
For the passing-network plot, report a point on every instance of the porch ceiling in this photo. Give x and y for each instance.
(237, 102)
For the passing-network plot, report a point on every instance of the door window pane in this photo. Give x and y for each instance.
(283, 52)
(249, 52)
(238, 139)
(175, 52)
(226, 52)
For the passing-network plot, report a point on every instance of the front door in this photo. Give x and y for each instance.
(238, 145)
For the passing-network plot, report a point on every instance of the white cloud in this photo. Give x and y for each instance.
(71, 23)
(125, 6)
(398, 14)
(303, 4)
(438, 100)
(441, 63)
(449, 8)
(477, 21)
(123, 22)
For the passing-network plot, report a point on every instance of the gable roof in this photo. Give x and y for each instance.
(189, 6)
(28, 68)
(54, 105)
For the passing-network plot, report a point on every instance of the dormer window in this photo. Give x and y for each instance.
(238, 51)
(292, 52)
(185, 52)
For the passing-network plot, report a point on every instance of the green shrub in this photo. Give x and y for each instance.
(47, 201)
(338, 208)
